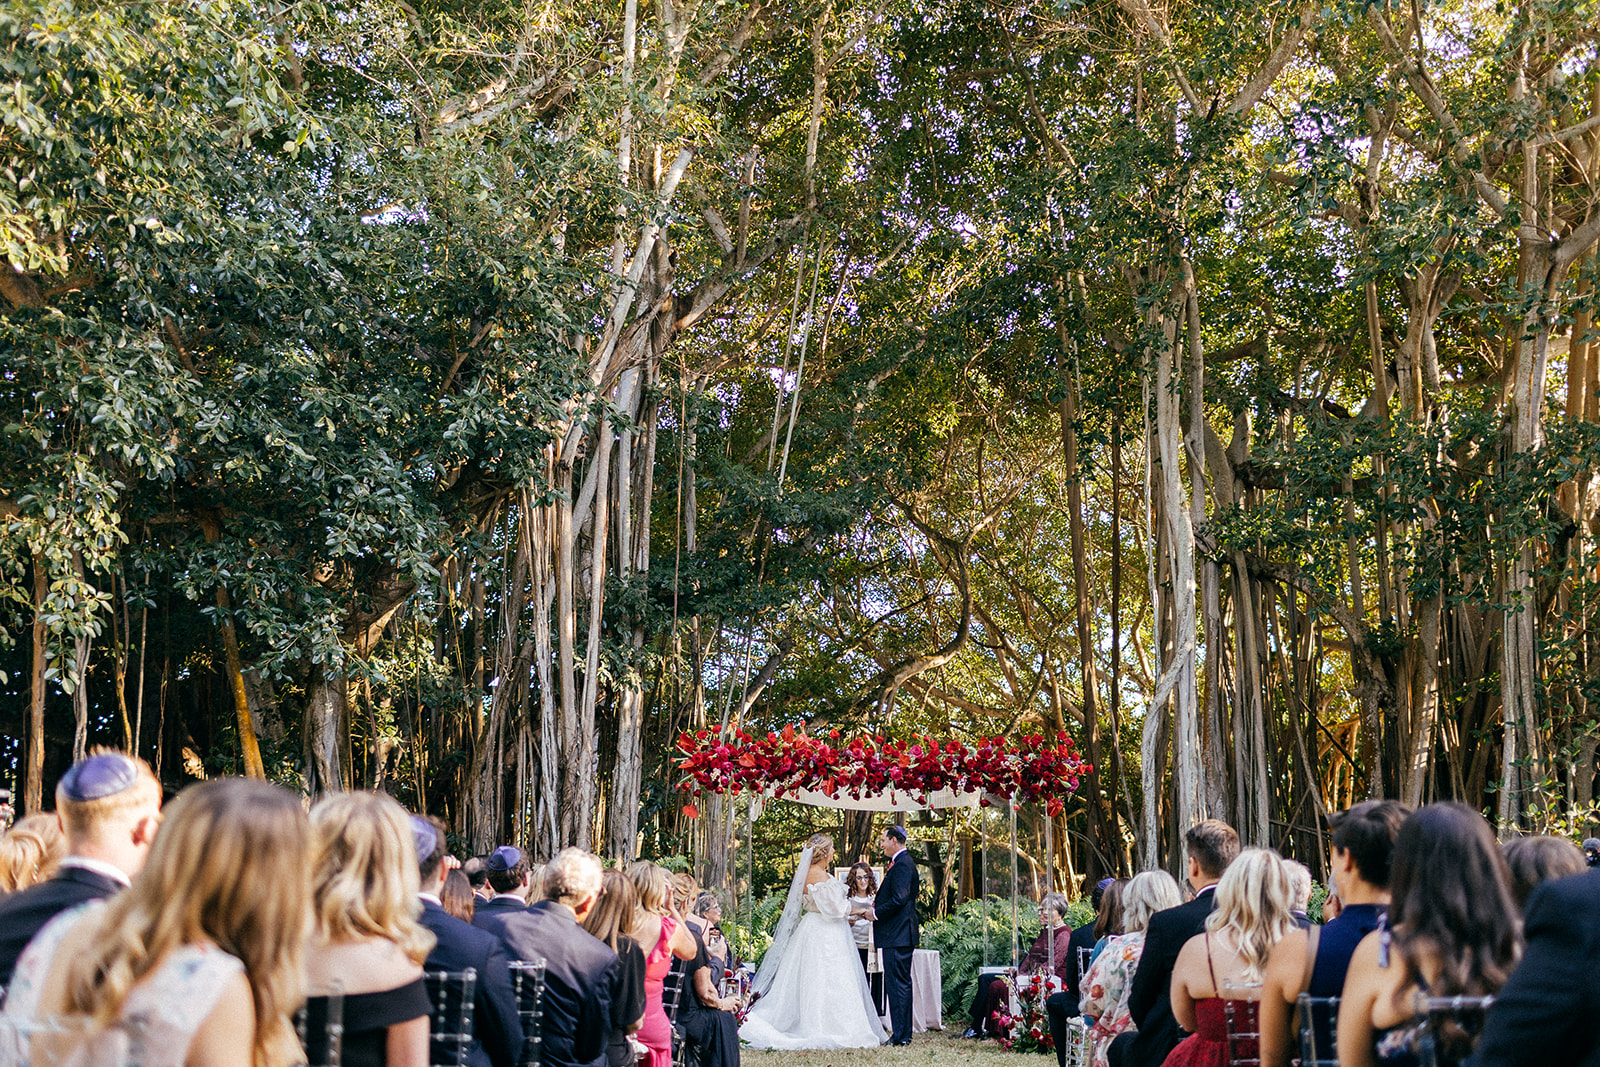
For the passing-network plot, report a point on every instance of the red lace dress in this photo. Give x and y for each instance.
(1208, 1045)
(655, 1033)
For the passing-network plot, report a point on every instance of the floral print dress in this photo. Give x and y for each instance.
(1106, 988)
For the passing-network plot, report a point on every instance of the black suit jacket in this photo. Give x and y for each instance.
(1082, 937)
(896, 905)
(1150, 998)
(579, 973)
(1546, 1012)
(23, 914)
(496, 1029)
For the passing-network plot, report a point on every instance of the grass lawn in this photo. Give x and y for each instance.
(933, 1047)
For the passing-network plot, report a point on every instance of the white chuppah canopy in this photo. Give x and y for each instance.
(892, 800)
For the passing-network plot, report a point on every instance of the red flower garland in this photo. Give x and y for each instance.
(1039, 768)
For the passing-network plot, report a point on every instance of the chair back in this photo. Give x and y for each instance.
(320, 1026)
(671, 997)
(1319, 1027)
(450, 1025)
(1244, 1032)
(1084, 955)
(527, 981)
(1434, 1012)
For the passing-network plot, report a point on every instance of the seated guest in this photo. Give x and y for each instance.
(1109, 980)
(1211, 846)
(1545, 1013)
(508, 874)
(993, 993)
(200, 962)
(1536, 860)
(707, 915)
(1224, 963)
(664, 937)
(368, 944)
(1453, 930)
(456, 896)
(30, 852)
(477, 872)
(575, 1024)
(1299, 893)
(1058, 1006)
(496, 1027)
(705, 1018)
(1107, 920)
(109, 806)
(1314, 961)
(610, 921)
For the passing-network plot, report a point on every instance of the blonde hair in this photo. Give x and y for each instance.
(1253, 907)
(229, 866)
(30, 852)
(364, 877)
(1147, 893)
(85, 817)
(818, 843)
(650, 881)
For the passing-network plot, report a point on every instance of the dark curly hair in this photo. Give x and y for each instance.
(850, 878)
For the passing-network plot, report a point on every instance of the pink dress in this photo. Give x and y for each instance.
(655, 1033)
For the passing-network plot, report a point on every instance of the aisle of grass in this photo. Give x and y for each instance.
(933, 1047)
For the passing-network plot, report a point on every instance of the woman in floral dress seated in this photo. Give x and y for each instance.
(1109, 980)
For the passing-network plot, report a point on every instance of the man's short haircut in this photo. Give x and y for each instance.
(1213, 844)
(1367, 831)
(477, 874)
(573, 875)
(1299, 885)
(81, 816)
(428, 865)
(897, 832)
(508, 878)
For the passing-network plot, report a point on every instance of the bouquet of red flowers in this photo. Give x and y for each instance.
(1029, 1030)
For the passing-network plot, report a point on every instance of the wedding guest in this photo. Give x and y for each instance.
(368, 944)
(200, 962)
(862, 886)
(705, 921)
(456, 896)
(30, 852)
(1225, 962)
(1107, 919)
(1210, 846)
(1545, 1013)
(508, 873)
(477, 872)
(705, 1017)
(109, 806)
(993, 994)
(1058, 1006)
(610, 921)
(497, 1036)
(1109, 980)
(575, 1025)
(1314, 961)
(1299, 893)
(1536, 860)
(662, 936)
(1453, 930)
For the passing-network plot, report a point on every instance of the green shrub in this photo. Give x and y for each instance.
(960, 937)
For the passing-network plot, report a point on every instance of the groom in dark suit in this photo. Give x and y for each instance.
(894, 929)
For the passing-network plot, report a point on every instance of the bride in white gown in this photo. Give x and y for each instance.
(813, 992)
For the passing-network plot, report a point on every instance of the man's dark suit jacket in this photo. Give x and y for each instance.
(1082, 937)
(24, 914)
(1547, 1011)
(575, 1022)
(896, 904)
(496, 1029)
(1150, 998)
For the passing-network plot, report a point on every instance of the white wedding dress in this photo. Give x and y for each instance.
(818, 997)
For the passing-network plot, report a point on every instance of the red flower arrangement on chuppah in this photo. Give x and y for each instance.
(1036, 768)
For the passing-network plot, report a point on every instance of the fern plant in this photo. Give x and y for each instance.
(960, 940)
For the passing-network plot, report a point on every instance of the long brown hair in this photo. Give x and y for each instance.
(230, 866)
(617, 910)
(365, 879)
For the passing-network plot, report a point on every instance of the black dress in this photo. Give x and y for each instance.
(713, 1034)
(367, 1018)
(627, 1000)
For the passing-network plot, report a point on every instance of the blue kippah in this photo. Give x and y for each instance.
(99, 776)
(504, 858)
(423, 836)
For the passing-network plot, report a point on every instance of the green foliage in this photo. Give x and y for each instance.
(750, 935)
(966, 942)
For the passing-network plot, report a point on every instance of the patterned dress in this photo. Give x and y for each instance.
(159, 1017)
(1107, 985)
